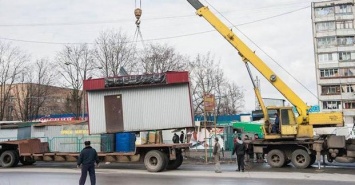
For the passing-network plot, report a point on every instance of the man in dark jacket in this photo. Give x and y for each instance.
(239, 149)
(175, 138)
(87, 159)
(182, 137)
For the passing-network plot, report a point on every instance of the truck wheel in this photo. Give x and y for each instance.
(9, 159)
(276, 158)
(174, 164)
(300, 159)
(27, 160)
(155, 161)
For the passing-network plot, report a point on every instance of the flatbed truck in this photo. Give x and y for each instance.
(156, 157)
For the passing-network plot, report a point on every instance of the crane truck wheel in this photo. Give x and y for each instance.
(300, 158)
(276, 158)
(155, 161)
(27, 160)
(9, 159)
(174, 164)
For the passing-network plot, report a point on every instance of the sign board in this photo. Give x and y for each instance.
(209, 102)
(314, 108)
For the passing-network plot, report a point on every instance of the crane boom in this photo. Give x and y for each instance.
(251, 57)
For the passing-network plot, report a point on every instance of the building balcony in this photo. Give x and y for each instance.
(345, 32)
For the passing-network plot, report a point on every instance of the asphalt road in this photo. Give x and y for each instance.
(104, 178)
(189, 173)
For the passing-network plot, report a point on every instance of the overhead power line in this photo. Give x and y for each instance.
(149, 40)
(116, 21)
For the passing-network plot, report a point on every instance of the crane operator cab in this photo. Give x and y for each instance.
(281, 123)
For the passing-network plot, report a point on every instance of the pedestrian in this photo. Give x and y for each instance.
(216, 155)
(182, 136)
(175, 138)
(239, 150)
(87, 160)
(248, 148)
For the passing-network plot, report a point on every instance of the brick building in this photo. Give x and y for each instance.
(28, 101)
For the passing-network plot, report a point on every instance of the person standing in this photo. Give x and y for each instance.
(87, 160)
(182, 136)
(239, 150)
(175, 138)
(216, 155)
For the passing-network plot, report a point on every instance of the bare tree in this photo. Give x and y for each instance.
(76, 64)
(161, 58)
(113, 51)
(12, 60)
(231, 99)
(33, 89)
(208, 78)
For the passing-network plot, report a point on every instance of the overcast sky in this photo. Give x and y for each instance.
(282, 28)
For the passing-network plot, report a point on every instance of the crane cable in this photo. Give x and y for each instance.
(138, 33)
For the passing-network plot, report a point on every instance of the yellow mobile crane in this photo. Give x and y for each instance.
(295, 140)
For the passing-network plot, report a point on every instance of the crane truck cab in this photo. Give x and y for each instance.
(282, 125)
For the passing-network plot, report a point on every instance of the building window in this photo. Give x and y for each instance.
(323, 11)
(347, 72)
(331, 90)
(344, 56)
(348, 88)
(345, 41)
(325, 57)
(325, 26)
(326, 42)
(325, 73)
(331, 105)
(344, 25)
(343, 9)
(349, 105)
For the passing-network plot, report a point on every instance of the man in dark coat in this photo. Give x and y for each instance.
(239, 149)
(182, 136)
(175, 138)
(87, 160)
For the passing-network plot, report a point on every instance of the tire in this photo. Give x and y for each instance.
(313, 160)
(174, 164)
(300, 159)
(27, 160)
(155, 161)
(9, 159)
(276, 158)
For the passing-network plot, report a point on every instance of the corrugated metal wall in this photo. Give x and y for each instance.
(8, 134)
(65, 143)
(24, 133)
(145, 108)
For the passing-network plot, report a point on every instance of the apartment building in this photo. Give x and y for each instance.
(28, 100)
(334, 50)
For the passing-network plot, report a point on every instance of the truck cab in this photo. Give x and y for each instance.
(281, 125)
